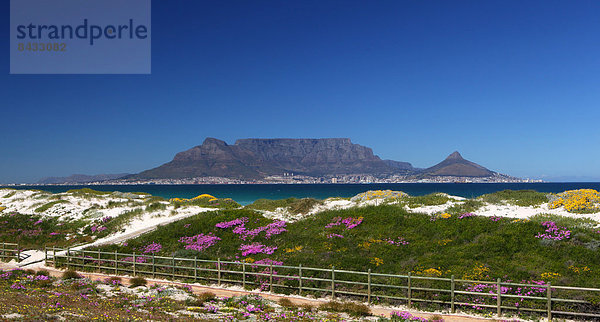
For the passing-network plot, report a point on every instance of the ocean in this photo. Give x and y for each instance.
(246, 194)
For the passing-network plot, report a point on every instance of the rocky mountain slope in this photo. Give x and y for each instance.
(257, 158)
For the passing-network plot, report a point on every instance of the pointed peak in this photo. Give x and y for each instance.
(455, 156)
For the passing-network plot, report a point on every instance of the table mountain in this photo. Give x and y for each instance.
(257, 158)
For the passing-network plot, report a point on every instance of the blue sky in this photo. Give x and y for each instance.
(512, 85)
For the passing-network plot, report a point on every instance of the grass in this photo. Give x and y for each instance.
(508, 248)
(137, 281)
(10, 194)
(49, 205)
(36, 231)
(469, 205)
(523, 198)
(351, 308)
(294, 205)
(432, 199)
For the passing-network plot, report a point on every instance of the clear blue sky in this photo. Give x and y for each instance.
(512, 85)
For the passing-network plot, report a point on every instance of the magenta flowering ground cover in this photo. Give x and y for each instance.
(554, 232)
(152, 248)
(199, 242)
(274, 228)
(257, 248)
(349, 222)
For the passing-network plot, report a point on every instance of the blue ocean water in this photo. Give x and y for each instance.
(245, 194)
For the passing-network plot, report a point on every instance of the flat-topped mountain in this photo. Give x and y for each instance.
(257, 158)
(455, 166)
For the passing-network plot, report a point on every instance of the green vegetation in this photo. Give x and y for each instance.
(351, 308)
(68, 275)
(469, 205)
(507, 248)
(36, 231)
(294, 205)
(432, 199)
(225, 203)
(87, 193)
(523, 198)
(10, 194)
(137, 281)
(49, 205)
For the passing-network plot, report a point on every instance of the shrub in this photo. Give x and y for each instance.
(114, 280)
(523, 198)
(137, 281)
(49, 205)
(70, 274)
(285, 302)
(353, 309)
(207, 296)
(43, 272)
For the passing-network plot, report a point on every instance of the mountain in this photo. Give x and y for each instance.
(401, 166)
(258, 158)
(455, 166)
(81, 178)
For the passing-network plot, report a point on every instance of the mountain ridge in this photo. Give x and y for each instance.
(254, 158)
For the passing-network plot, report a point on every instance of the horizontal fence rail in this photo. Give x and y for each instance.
(10, 251)
(452, 293)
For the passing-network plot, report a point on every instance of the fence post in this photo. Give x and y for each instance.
(369, 286)
(333, 282)
(68, 259)
(218, 271)
(498, 298)
(452, 294)
(173, 267)
(54, 256)
(195, 268)
(99, 257)
(244, 275)
(116, 264)
(153, 267)
(409, 291)
(45, 253)
(549, 295)
(300, 280)
(3, 249)
(271, 277)
(134, 264)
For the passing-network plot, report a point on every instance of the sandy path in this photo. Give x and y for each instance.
(223, 292)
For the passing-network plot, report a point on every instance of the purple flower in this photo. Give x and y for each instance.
(349, 222)
(152, 248)
(199, 242)
(257, 248)
(229, 224)
(466, 215)
(553, 232)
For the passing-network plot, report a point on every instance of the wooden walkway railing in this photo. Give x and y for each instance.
(366, 285)
(10, 251)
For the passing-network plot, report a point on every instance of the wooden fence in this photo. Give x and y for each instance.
(10, 251)
(451, 293)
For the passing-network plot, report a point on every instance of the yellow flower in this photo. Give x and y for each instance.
(377, 261)
(204, 196)
(550, 275)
